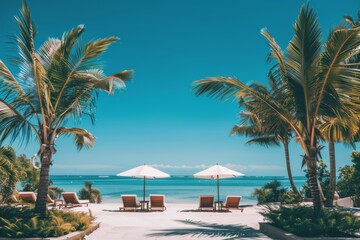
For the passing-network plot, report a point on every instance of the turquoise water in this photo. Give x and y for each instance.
(179, 189)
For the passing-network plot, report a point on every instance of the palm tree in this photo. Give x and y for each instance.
(88, 192)
(315, 82)
(8, 173)
(336, 130)
(59, 80)
(253, 127)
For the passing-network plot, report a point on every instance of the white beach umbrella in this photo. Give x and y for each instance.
(144, 171)
(217, 172)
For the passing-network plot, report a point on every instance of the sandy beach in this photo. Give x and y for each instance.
(178, 221)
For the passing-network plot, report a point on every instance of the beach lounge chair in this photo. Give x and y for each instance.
(233, 202)
(157, 202)
(206, 202)
(130, 202)
(71, 199)
(27, 197)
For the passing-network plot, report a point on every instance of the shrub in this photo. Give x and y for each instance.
(274, 192)
(349, 180)
(300, 221)
(23, 222)
(90, 193)
(324, 179)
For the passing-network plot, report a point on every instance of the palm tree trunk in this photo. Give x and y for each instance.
(332, 186)
(288, 167)
(311, 163)
(41, 201)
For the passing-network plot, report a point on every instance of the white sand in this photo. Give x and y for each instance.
(178, 221)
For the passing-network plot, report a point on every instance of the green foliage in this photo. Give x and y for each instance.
(274, 192)
(8, 174)
(90, 193)
(30, 176)
(324, 179)
(23, 222)
(301, 221)
(349, 180)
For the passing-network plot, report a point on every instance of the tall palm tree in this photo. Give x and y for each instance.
(337, 130)
(8, 173)
(315, 81)
(257, 127)
(59, 80)
(253, 127)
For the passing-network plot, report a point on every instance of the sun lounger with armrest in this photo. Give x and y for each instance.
(233, 202)
(27, 197)
(157, 202)
(71, 199)
(130, 202)
(206, 202)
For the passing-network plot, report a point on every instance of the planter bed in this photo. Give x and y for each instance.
(71, 236)
(278, 233)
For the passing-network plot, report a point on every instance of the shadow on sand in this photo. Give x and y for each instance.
(210, 230)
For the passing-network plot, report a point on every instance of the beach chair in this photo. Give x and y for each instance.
(71, 199)
(27, 197)
(206, 202)
(157, 202)
(233, 202)
(130, 202)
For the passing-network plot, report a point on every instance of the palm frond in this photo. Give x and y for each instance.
(93, 49)
(226, 88)
(115, 81)
(82, 137)
(9, 84)
(303, 54)
(13, 123)
(265, 141)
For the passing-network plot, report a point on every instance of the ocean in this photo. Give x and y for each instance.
(177, 189)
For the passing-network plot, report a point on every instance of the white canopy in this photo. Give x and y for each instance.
(143, 171)
(216, 172)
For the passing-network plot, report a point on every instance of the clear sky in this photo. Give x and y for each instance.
(170, 44)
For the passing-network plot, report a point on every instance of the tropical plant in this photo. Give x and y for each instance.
(349, 180)
(323, 177)
(24, 223)
(59, 80)
(252, 126)
(299, 220)
(335, 130)
(315, 81)
(8, 173)
(275, 192)
(90, 193)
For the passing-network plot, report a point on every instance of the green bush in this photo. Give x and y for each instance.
(324, 179)
(23, 222)
(274, 192)
(349, 180)
(90, 193)
(300, 221)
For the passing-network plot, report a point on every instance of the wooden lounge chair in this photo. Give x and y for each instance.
(157, 202)
(232, 202)
(130, 202)
(71, 199)
(27, 198)
(206, 202)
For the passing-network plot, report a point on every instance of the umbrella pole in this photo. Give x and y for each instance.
(144, 190)
(218, 192)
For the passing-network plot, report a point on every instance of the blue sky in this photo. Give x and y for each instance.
(170, 44)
